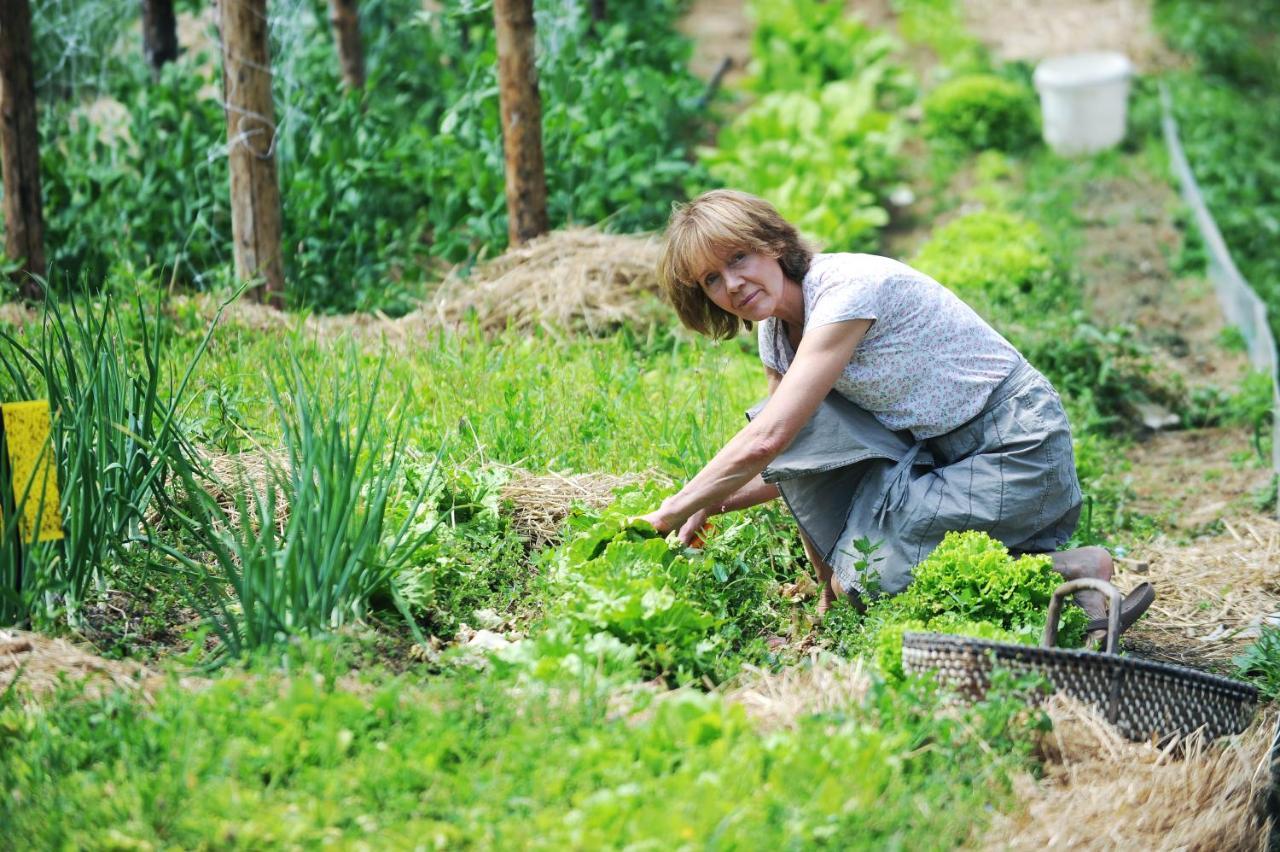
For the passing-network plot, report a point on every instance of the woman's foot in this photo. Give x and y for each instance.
(1092, 562)
(826, 598)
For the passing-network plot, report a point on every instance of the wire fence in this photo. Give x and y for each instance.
(1240, 303)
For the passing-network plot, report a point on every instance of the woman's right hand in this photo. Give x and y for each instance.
(691, 531)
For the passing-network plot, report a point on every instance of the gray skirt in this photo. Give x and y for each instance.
(1009, 472)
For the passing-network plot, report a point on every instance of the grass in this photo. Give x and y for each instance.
(494, 760)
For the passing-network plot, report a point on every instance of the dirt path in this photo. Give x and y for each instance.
(1035, 29)
(720, 30)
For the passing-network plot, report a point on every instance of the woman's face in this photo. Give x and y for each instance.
(747, 285)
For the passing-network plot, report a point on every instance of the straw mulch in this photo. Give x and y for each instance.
(576, 280)
(579, 279)
(539, 503)
(1101, 791)
(41, 665)
(777, 700)
(1214, 596)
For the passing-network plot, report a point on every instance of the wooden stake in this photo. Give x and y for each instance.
(159, 33)
(19, 148)
(521, 107)
(251, 145)
(345, 19)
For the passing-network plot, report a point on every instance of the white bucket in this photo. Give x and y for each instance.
(1083, 100)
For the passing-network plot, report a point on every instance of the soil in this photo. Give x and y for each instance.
(720, 30)
(1031, 30)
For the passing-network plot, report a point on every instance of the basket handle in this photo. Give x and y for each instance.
(1050, 639)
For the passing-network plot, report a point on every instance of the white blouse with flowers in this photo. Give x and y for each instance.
(928, 362)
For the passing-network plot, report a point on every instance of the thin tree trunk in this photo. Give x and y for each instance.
(345, 18)
(251, 144)
(19, 141)
(597, 10)
(521, 120)
(159, 33)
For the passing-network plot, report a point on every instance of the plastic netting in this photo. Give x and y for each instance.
(1240, 303)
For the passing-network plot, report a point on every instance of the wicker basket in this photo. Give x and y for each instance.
(1143, 699)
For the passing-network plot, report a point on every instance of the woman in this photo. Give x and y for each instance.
(895, 413)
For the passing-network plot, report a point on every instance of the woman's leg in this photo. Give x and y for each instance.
(829, 587)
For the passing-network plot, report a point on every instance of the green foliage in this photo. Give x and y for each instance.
(972, 576)
(1229, 121)
(1234, 41)
(1106, 372)
(467, 555)
(374, 183)
(824, 159)
(307, 551)
(480, 761)
(822, 143)
(684, 613)
(992, 259)
(1260, 663)
(940, 26)
(150, 191)
(801, 45)
(117, 440)
(981, 111)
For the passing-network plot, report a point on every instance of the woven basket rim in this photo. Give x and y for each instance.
(1237, 688)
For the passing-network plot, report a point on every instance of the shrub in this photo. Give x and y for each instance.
(995, 259)
(981, 111)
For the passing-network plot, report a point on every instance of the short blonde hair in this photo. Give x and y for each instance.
(706, 232)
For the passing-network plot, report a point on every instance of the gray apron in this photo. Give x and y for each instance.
(1009, 471)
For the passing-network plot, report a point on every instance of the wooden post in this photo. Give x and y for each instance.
(19, 147)
(345, 19)
(521, 108)
(251, 144)
(159, 33)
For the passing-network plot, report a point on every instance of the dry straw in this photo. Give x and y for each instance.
(1214, 595)
(1100, 791)
(41, 665)
(577, 280)
(825, 684)
(539, 503)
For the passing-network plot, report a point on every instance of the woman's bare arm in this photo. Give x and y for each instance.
(823, 354)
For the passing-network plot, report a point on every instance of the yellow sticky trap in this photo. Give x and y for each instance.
(26, 430)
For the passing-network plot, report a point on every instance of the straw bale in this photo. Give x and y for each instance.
(1101, 791)
(579, 279)
(539, 503)
(1214, 595)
